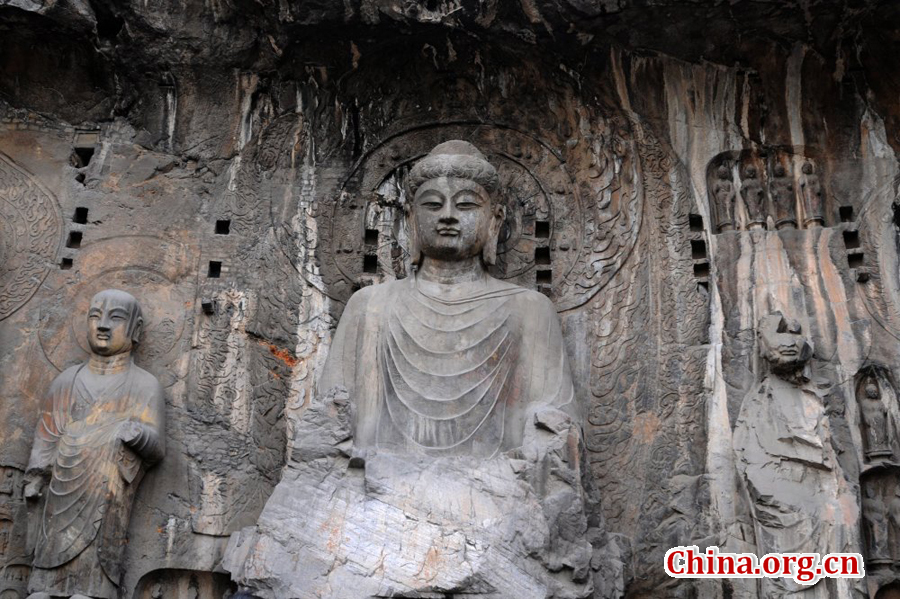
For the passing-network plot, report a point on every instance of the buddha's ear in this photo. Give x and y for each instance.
(489, 251)
(415, 250)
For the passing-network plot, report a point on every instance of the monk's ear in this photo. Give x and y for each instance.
(489, 251)
(136, 331)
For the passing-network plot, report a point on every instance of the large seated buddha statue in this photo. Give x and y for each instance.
(443, 454)
(449, 360)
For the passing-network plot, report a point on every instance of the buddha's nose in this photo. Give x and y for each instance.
(448, 215)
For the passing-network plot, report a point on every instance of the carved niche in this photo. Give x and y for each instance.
(30, 235)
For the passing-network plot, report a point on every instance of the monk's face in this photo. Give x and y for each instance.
(453, 218)
(109, 323)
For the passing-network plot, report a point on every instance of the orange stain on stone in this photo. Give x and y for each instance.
(282, 354)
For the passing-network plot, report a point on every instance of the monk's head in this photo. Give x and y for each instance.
(453, 213)
(114, 322)
(782, 343)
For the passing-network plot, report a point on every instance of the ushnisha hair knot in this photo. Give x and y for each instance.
(455, 158)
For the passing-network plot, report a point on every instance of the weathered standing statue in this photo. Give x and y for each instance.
(876, 432)
(443, 453)
(800, 499)
(754, 198)
(813, 200)
(723, 192)
(102, 426)
(784, 201)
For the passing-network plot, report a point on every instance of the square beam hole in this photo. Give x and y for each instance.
(698, 249)
(695, 221)
(544, 277)
(542, 256)
(542, 229)
(701, 270)
(371, 237)
(74, 240)
(851, 239)
(80, 217)
(370, 263)
(81, 157)
(855, 260)
(65, 264)
(846, 214)
(223, 227)
(215, 269)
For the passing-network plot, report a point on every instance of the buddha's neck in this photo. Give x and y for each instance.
(109, 364)
(448, 272)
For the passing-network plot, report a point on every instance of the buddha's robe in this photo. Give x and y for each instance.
(448, 369)
(94, 475)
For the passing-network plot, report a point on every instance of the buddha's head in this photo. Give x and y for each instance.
(782, 343)
(453, 213)
(114, 322)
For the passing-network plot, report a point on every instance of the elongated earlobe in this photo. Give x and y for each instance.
(415, 250)
(489, 251)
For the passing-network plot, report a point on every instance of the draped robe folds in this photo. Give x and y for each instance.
(93, 475)
(448, 369)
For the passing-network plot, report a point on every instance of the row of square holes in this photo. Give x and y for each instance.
(74, 240)
(223, 227)
(698, 246)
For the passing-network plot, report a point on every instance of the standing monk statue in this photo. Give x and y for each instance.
(102, 426)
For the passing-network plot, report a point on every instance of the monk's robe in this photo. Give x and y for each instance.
(448, 369)
(83, 528)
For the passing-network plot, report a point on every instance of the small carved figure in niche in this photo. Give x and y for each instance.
(800, 499)
(102, 426)
(875, 521)
(813, 200)
(754, 198)
(723, 192)
(784, 201)
(876, 431)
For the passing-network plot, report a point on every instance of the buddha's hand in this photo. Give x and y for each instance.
(129, 432)
(34, 485)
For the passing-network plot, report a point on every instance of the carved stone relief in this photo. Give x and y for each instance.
(30, 235)
(777, 190)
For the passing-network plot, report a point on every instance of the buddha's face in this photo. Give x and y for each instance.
(454, 218)
(783, 345)
(109, 323)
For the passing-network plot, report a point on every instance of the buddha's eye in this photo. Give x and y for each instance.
(467, 203)
(431, 204)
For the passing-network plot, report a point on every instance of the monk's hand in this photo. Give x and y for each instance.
(129, 432)
(34, 484)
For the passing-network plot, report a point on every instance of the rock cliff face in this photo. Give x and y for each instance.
(240, 166)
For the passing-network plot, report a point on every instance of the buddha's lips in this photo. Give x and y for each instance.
(448, 232)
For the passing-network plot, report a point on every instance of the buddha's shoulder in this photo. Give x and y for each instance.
(527, 298)
(373, 294)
